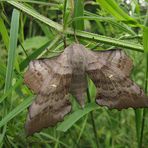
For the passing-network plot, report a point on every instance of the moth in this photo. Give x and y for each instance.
(52, 80)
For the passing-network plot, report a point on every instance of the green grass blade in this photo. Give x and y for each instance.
(36, 2)
(82, 128)
(2, 69)
(138, 120)
(12, 48)
(16, 111)
(4, 33)
(145, 39)
(145, 44)
(113, 8)
(65, 15)
(34, 55)
(54, 139)
(110, 20)
(38, 52)
(74, 117)
(84, 34)
(9, 91)
(79, 11)
(108, 40)
(11, 58)
(36, 15)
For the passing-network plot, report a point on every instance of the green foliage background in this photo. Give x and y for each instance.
(32, 29)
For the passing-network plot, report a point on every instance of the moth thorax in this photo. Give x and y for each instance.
(78, 63)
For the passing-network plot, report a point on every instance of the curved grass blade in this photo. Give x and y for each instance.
(11, 59)
(112, 7)
(12, 48)
(4, 33)
(78, 11)
(38, 52)
(74, 117)
(145, 44)
(36, 15)
(9, 91)
(84, 34)
(16, 111)
(109, 40)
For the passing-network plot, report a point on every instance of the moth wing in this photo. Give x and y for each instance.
(110, 70)
(50, 80)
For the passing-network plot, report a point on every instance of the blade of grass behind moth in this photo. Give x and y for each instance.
(108, 40)
(11, 59)
(32, 56)
(79, 25)
(51, 45)
(145, 44)
(71, 119)
(39, 52)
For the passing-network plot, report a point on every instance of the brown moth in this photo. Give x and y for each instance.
(53, 79)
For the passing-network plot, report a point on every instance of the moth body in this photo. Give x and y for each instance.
(78, 61)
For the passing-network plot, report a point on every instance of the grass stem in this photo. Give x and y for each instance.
(144, 110)
(93, 121)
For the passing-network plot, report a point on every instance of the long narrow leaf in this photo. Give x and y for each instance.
(36, 15)
(109, 40)
(78, 11)
(74, 117)
(145, 39)
(2, 69)
(84, 34)
(16, 111)
(112, 7)
(9, 91)
(38, 52)
(4, 33)
(145, 44)
(34, 55)
(11, 58)
(12, 48)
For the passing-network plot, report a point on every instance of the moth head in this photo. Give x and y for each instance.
(76, 55)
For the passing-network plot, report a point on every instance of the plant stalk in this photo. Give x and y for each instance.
(144, 110)
(93, 121)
